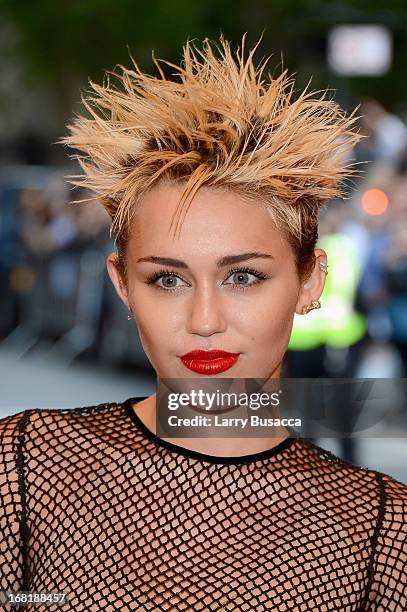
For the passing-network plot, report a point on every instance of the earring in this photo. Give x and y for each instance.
(315, 304)
(129, 317)
(323, 266)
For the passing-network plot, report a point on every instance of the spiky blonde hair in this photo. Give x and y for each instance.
(217, 123)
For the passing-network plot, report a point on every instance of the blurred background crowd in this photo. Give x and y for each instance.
(64, 335)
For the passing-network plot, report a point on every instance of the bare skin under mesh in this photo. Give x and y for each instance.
(96, 506)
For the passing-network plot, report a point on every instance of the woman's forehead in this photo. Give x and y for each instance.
(214, 227)
(212, 214)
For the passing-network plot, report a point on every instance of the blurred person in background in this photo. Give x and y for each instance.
(395, 279)
(108, 511)
(381, 292)
(387, 133)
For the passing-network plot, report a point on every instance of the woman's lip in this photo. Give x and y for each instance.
(209, 355)
(211, 365)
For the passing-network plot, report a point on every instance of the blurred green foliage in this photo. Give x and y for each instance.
(67, 42)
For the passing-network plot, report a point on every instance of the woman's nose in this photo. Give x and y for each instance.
(206, 314)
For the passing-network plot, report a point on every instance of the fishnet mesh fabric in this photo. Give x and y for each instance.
(94, 506)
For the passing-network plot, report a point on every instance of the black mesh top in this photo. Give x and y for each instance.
(95, 505)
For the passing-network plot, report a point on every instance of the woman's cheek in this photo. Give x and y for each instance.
(156, 328)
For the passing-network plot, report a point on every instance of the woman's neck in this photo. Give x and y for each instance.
(222, 447)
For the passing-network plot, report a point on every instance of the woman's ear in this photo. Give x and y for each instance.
(115, 277)
(313, 287)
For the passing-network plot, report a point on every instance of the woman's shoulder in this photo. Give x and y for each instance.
(393, 488)
(388, 574)
(48, 420)
(11, 428)
(394, 509)
(370, 500)
(355, 480)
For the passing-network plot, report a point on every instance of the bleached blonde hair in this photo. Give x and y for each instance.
(217, 123)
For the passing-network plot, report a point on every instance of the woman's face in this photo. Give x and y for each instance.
(228, 282)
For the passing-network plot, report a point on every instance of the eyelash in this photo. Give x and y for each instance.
(154, 277)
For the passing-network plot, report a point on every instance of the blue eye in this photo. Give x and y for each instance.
(242, 275)
(169, 280)
(241, 279)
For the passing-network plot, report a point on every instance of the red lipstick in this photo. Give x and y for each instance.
(209, 362)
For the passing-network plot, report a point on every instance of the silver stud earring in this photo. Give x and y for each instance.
(323, 266)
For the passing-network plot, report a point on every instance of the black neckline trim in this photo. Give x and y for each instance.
(272, 452)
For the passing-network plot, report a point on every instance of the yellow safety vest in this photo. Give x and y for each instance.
(336, 323)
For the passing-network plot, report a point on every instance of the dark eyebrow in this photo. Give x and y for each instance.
(224, 261)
